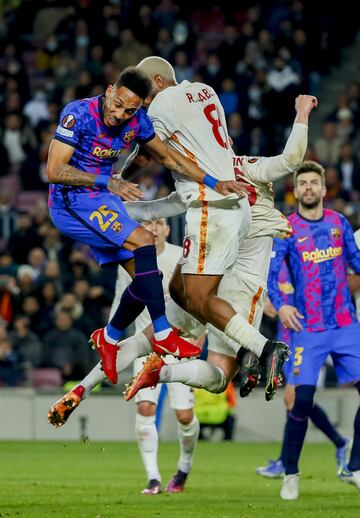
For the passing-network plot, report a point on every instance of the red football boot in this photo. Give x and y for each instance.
(175, 345)
(147, 377)
(108, 353)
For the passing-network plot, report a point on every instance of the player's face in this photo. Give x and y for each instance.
(160, 229)
(120, 105)
(309, 190)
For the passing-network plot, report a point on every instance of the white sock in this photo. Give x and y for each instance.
(161, 335)
(245, 335)
(95, 376)
(147, 439)
(196, 373)
(130, 349)
(188, 437)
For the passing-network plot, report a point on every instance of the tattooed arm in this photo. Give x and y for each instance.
(61, 172)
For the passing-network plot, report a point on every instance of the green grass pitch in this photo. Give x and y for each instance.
(103, 480)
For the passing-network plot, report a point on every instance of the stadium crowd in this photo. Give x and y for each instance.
(257, 57)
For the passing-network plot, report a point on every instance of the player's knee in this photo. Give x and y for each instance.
(146, 408)
(289, 397)
(195, 303)
(304, 400)
(142, 237)
(185, 417)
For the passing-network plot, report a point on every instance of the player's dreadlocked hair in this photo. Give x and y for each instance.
(134, 80)
(310, 166)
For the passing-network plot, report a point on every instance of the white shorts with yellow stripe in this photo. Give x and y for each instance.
(213, 233)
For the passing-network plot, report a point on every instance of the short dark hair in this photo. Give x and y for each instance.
(310, 166)
(135, 80)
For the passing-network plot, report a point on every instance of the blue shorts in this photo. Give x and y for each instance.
(100, 222)
(310, 350)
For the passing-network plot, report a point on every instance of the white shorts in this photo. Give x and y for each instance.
(213, 234)
(181, 397)
(245, 287)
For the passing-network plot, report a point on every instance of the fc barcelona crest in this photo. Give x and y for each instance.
(335, 232)
(117, 227)
(129, 135)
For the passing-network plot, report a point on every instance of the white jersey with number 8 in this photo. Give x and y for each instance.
(190, 118)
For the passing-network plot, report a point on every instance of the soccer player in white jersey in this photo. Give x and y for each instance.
(190, 119)
(248, 275)
(181, 396)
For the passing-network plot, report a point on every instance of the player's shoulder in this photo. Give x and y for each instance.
(334, 216)
(142, 116)
(79, 105)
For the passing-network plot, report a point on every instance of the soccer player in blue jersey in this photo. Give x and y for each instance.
(323, 317)
(85, 203)
(276, 468)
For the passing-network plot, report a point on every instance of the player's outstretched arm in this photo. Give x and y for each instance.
(167, 207)
(59, 171)
(269, 169)
(182, 165)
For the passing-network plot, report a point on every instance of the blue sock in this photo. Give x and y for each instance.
(283, 453)
(147, 286)
(321, 421)
(127, 311)
(354, 463)
(297, 426)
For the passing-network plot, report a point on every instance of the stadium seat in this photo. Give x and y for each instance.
(46, 378)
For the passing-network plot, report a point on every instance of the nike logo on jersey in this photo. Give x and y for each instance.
(302, 239)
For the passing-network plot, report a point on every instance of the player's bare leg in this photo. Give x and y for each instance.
(199, 297)
(213, 375)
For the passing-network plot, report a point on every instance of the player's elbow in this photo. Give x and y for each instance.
(292, 160)
(52, 172)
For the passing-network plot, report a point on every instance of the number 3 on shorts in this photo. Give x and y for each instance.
(298, 356)
(186, 247)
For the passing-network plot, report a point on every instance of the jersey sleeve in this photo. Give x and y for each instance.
(352, 252)
(71, 124)
(147, 131)
(164, 116)
(167, 207)
(269, 169)
(279, 254)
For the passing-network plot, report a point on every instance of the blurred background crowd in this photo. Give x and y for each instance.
(258, 57)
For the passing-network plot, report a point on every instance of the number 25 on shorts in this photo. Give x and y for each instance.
(101, 213)
(298, 356)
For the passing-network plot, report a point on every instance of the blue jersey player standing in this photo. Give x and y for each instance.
(323, 316)
(85, 203)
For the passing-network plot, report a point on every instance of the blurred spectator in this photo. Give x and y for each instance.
(7, 299)
(211, 72)
(67, 348)
(183, 71)
(239, 136)
(327, 147)
(9, 364)
(52, 274)
(24, 342)
(349, 171)
(18, 138)
(81, 320)
(37, 260)
(130, 51)
(23, 239)
(228, 96)
(164, 44)
(7, 265)
(36, 109)
(334, 188)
